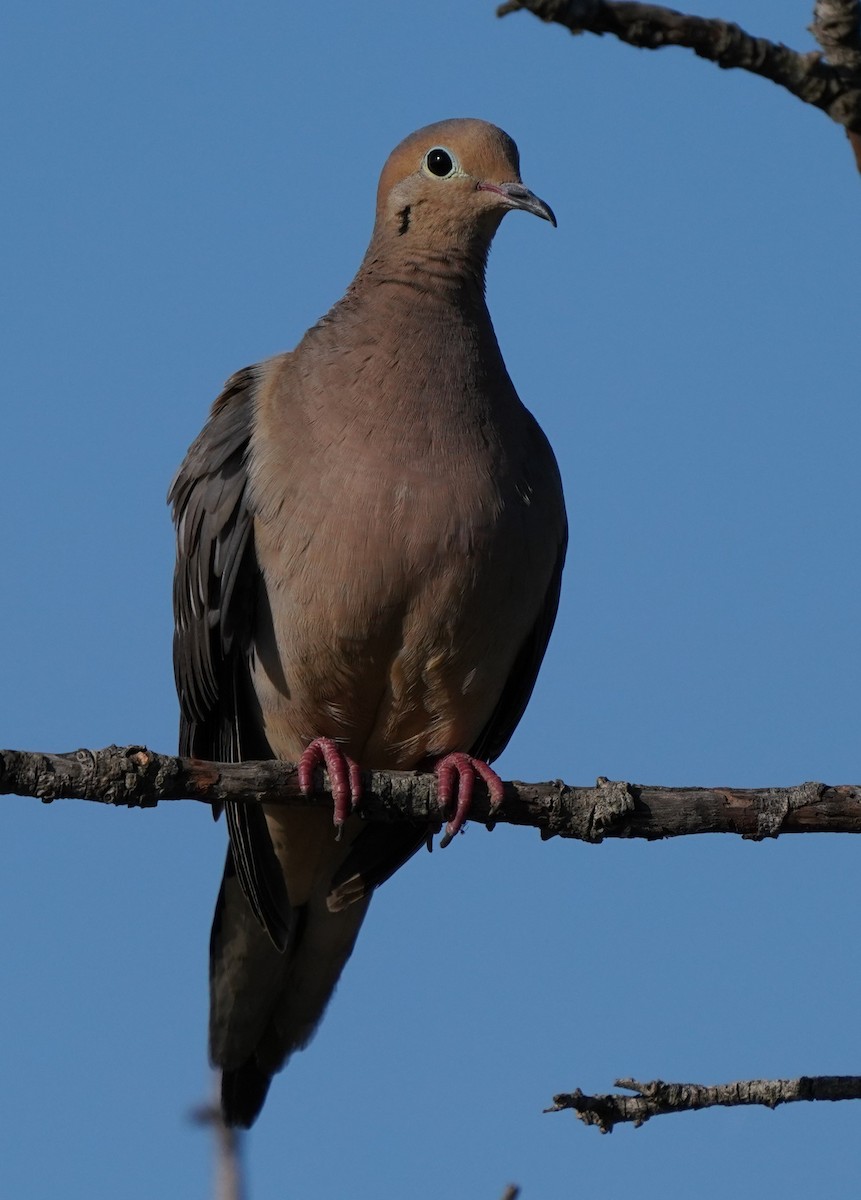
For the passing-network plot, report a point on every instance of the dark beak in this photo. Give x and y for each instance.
(519, 196)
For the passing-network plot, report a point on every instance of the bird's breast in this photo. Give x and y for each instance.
(398, 563)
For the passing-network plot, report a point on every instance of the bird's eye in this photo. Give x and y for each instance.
(439, 162)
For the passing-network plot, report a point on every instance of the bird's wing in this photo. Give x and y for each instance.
(521, 680)
(214, 596)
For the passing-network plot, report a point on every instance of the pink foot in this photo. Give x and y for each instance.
(344, 776)
(455, 778)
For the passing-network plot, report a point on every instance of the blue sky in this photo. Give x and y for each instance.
(187, 188)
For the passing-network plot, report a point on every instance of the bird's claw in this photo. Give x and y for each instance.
(345, 777)
(455, 776)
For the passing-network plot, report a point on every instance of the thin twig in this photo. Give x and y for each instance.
(135, 777)
(229, 1182)
(830, 87)
(656, 1098)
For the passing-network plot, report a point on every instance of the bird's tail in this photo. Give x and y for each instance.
(265, 1003)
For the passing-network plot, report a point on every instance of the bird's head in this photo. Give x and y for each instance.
(452, 183)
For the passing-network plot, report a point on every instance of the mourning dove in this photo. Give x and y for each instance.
(371, 534)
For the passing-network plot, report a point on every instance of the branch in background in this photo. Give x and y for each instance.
(656, 1098)
(837, 28)
(135, 777)
(228, 1149)
(833, 87)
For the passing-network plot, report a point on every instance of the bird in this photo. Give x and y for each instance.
(370, 535)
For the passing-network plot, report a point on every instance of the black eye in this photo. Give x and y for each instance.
(439, 162)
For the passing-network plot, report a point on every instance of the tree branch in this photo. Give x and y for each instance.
(135, 777)
(837, 28)
(229, 1179)
(834, 87)
(656, 1098)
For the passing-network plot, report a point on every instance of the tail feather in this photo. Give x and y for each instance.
(265, 1004)
(243, 1092)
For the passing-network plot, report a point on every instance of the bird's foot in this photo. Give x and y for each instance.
(455, 778)
(345, 776)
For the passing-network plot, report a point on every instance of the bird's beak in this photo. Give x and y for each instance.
(519, 196)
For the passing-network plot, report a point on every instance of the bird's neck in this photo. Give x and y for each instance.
(437, 272)
(416, 326)
(400, 294)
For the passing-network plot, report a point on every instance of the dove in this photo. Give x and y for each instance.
(370, 539)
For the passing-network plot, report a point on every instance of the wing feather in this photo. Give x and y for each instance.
(518, 688)
(215, 588)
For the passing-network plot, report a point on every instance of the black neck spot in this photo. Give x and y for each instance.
(404, 215)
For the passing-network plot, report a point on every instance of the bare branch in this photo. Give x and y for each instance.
(833, 87)
(229, 1183)
(135, 777)
(656, 1098)
(837, 28)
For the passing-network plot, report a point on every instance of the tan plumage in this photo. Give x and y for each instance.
(370, 540)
